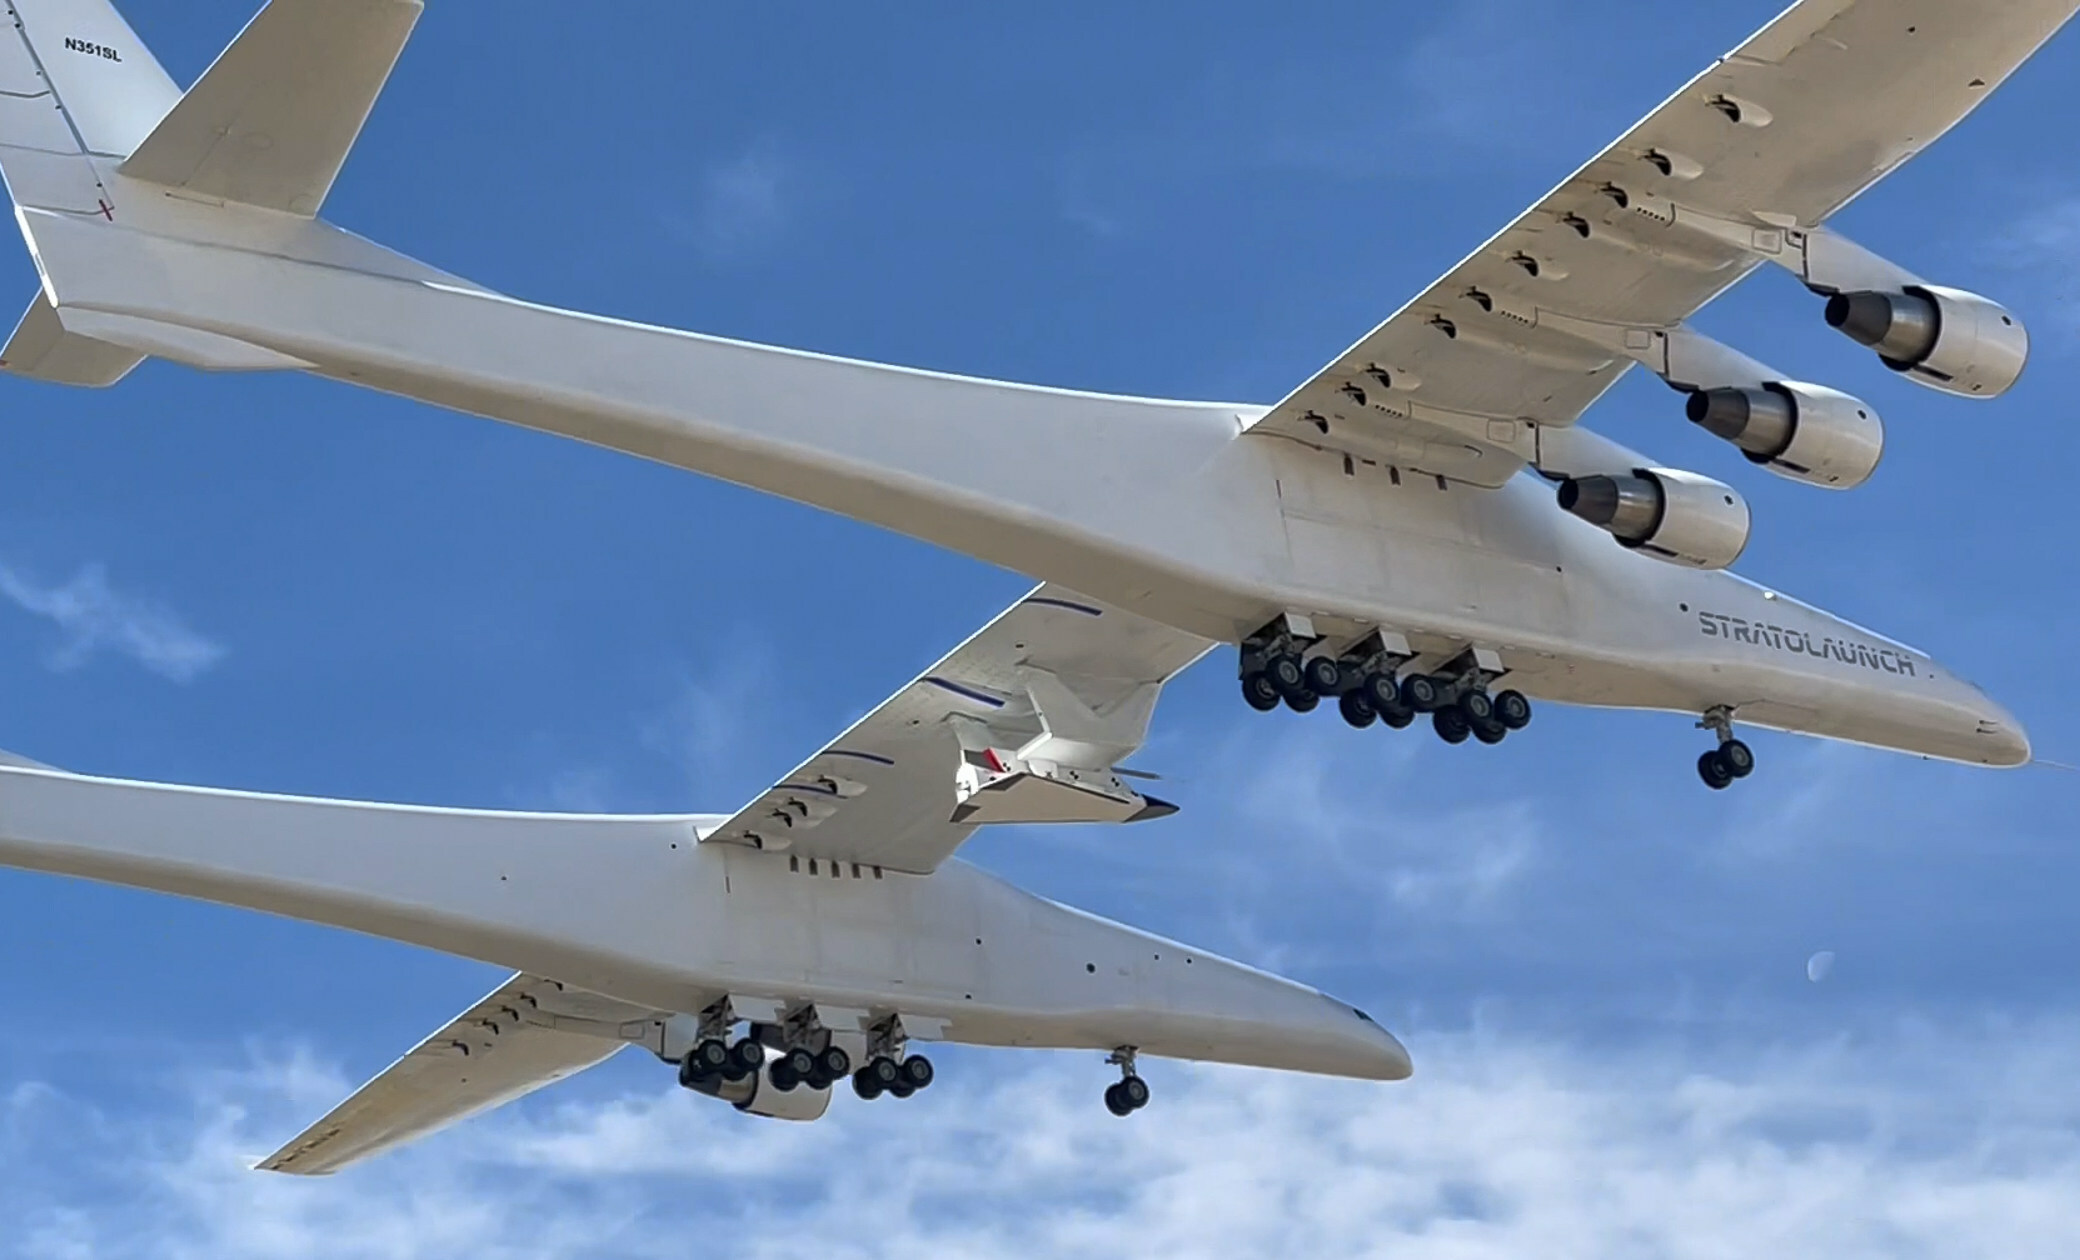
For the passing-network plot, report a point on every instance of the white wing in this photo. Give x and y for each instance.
(528, 1033)
(1037, 709)
(1782, 132)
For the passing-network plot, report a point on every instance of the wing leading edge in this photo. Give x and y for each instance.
(1532, 328)
(529, 1032)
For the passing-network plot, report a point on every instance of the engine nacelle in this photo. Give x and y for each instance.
(1808, 433)
(1946, 339)
(1669, 514)
(756, 1095)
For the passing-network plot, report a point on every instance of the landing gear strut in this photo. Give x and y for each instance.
(1731, 760)
(1129, 1093)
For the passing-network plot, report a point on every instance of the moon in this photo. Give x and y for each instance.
(1819, 965)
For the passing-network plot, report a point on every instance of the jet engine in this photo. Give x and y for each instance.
(757, 1095)
(1676, 516)
(1808, 433)
(1946, 339)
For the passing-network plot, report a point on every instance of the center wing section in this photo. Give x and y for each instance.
(1730, 172)
(1027, 721)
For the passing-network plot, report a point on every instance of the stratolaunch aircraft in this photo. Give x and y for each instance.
(765, 972)
(1381, 536)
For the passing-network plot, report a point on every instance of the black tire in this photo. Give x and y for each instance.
(1421, 693)
(1324, 675)
(1383, 691)
(1303, 702)
(1490, 731)
(712, 1055)
(864, 1084)
(1356, 709)
(1712, 769)
(833, 1062)
(884, 1070)
(918, 1072)
(1451, 725)
(900, 1090)
(1400, 717)
(1513, 710)
(690, 1074)
(1286, 675)
(1738, 758)
(1115, 1104)
(1258, 692)
(783, 1076)
(1477, 707)
(747, 1056)
(1134, 1092)
(799, 1061)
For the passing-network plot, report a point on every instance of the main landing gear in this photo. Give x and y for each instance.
(1369, 686)
(714, 1059)
(1731, 760)
(888, 1069)
(1129, 1093)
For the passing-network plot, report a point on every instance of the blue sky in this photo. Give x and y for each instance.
(281, 583)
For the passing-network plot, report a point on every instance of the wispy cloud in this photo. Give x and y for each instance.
(741, 207)
(92, 617)
(1501, 1147)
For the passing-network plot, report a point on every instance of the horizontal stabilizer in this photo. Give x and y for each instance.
(43, 349)
(271, 123)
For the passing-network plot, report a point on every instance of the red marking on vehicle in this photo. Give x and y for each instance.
(994, 763)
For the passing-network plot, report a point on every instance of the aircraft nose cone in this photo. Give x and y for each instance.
(1386, 1058)
(2002, 741)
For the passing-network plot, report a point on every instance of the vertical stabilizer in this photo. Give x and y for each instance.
(81, 58)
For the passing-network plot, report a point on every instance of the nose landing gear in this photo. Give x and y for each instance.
(1129, 1093)
(1731, 760)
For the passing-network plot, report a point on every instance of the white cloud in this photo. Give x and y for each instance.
(93, 616)
(741, 206)
(1501, 1147)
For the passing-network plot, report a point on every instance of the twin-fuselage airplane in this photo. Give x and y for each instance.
(1387, 536)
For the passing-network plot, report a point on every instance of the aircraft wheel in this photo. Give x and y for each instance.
(1738, 758)
(1324, 675)
(833, 1063)
(900, 1090)
(747, 1056)
(1382, 691)
(1712, 768)
(1421, 693)
(918, 1072)
(783, 1075)
(1451, 725)
(1115, 1102)
(1287, 678)
(1477, 707)
(1258, 691)
(1399, 717)
(1490, 731)
(1357, 710)
(711, 1055)
(1513, 710)
(690, 1074)
(1135, 1091)
(1303, 702)
(864, 1084)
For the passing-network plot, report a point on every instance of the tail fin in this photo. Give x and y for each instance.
(92, 128)
(75, 84)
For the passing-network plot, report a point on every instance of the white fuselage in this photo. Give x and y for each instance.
(1165, 507)
(635, 908)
